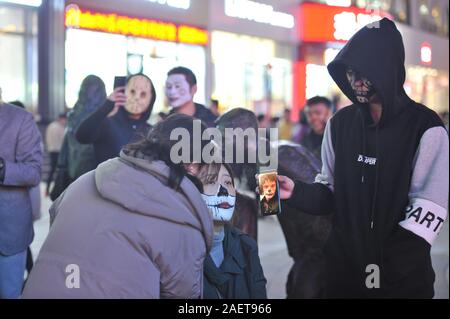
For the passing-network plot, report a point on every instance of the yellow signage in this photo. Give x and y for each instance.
(124, 25)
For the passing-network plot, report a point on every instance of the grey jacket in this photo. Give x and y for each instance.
(121, 232)
(20, 148)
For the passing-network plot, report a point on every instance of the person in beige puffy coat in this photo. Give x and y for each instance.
(136, 227)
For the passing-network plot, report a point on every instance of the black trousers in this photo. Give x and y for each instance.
(53, 163)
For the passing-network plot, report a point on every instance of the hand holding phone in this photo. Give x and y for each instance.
(269, 193)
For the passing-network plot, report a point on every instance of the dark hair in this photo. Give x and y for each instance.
(18, 103)
(157, 145)
(152, 88)
(238, 117)
(188, 74)
(210, 172)
(214, 102)
(319, 100)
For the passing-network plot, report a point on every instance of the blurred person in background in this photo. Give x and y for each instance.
(121, 120)
(318, 112)
(54, 137)
(181, 87)
(301, 128)
(20, 170)
(214, 107)
(35, 196)
(75, 158)
(140, 230)
(285, 126)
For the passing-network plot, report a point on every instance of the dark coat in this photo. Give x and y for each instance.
(240, 276)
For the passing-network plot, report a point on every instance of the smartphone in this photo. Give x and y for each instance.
(120, 81)
(269, 193)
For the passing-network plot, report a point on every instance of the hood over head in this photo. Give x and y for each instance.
(377, 53)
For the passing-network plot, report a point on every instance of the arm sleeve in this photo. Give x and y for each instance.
(428, 195)
(26, 170)
(317, 198)
(90, 129)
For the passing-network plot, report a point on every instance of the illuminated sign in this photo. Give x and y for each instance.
(322, 23)
(31, 3)
(179, 4)
(258, 12)
(136, 27)
(426, 54)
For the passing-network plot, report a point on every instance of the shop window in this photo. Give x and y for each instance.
(12, 20)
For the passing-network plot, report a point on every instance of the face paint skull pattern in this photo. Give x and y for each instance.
(178, 90)
(219, 195)
(361, 86)
(220, 205)
(139, 94)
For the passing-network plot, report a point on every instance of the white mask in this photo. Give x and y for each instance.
(139, 95)
(178, 91)
(225, 213)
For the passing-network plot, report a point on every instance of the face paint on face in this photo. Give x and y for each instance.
(220, 196)
(139, 95)
(361, 86)
(269, 189)
(178, 91)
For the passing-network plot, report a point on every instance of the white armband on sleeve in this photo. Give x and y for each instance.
(424, 218)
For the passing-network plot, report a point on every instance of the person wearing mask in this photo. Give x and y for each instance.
(54, 137)
(318, 112)
(20, 170)
(384, 175)
(124, 238)
(122, 118)
(181, 86)
(232, 267)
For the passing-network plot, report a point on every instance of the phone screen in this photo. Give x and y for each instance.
(120, 81)
(269, 194)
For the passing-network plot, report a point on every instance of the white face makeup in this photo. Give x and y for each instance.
(139, 94)
(220, 196)
(178, 91)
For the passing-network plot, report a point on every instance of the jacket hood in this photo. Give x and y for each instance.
(377, 52)
(141, 187)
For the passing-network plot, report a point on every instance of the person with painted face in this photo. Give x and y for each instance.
(384, 175)
(181, 86)
(122, 118)
(232, 270)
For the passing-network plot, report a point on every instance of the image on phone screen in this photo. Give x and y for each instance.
(269, 195)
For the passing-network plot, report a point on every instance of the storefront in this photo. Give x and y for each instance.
(108, 43)
(252, 54)
(18, 51)
(321, 40)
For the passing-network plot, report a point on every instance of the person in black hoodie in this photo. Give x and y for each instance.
(121, 120)
(384, 175)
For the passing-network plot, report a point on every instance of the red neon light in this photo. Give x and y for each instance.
(322, 23)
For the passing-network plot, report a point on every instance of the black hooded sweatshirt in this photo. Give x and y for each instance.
(110, 134)
(386, 183)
